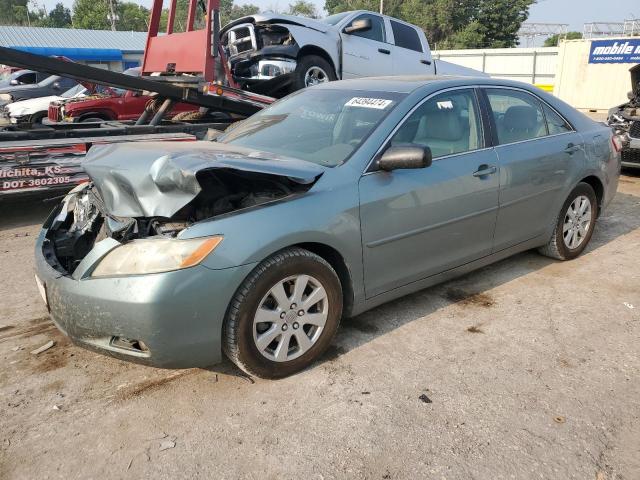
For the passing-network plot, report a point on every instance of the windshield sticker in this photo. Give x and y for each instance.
(377, 103)
(446, 105)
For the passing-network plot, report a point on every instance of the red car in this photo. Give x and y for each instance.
(109, 104)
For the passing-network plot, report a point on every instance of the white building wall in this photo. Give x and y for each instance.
(590, 87)
(531, 65)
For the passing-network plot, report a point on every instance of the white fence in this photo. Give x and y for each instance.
(532, 65)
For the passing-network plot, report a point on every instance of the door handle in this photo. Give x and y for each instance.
(571, 149)
(484, 170)
(384, 50)
(426, 62)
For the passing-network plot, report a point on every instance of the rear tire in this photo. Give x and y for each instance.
(311, 70)
(273, 339)
(574, 225)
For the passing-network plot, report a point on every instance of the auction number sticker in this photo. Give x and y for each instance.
(364, 102)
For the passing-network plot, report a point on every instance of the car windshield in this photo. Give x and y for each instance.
(323, 126)
(73, 91)
(334, 19)
(49, 81)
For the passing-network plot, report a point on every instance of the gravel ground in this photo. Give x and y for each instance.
(525, 369)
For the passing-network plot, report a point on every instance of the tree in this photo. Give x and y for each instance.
(453, 23)
(230, 12)
(132, 17)
(499, 22)
(13, 12)
(303, 8)
(553, 40)
(58, 17)
(91, 14)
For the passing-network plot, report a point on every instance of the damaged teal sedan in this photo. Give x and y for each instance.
(330, 202)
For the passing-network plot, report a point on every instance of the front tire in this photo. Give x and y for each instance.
(574, 225)
(93, 120)
(312, 70)
(284, 315)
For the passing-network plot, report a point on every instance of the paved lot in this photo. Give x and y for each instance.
(527, 369)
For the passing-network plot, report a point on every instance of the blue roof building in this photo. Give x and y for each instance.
(103, 48)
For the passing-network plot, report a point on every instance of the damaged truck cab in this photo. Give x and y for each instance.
(266, 46)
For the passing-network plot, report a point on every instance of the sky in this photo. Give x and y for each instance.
(573, 12)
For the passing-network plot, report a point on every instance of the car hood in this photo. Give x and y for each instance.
(156, 179)
(33, 105)
(280, 18)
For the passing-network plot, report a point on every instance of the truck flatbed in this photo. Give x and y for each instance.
(28, 166)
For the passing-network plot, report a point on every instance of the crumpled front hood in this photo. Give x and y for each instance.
(156, 179)
(280, 18)
(19, 88)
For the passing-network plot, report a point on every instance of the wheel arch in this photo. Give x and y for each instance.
(105, 115)
(598, 188)
(315, 50)
(337, 262)
(39, 115)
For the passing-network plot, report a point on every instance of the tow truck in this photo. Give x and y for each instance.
(174, 70)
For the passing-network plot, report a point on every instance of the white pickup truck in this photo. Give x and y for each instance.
(346, 45)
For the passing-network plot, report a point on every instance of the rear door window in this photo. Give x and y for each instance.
(518, 115)
(406, 36)
(555, 123)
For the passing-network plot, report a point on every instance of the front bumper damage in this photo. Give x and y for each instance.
(260, 54)
(171, 319)
(5, 117)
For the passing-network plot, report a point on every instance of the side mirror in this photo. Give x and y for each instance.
(14, 82)
(136, 93)
(405, 156)
(56, 85)
(358, 26)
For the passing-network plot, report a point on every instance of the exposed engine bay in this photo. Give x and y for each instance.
(84, 218)
(622, 117)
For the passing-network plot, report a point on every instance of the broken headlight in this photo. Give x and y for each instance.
(155, 255)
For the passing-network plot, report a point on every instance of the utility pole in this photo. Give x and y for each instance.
(381, 6)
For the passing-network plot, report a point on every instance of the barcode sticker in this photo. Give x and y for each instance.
(364, 102)
(445, 105)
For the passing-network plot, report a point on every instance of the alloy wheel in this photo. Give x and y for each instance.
(314, 76)
(290, 318)
(577, 221)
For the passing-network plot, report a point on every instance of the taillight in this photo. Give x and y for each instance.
(616, 141)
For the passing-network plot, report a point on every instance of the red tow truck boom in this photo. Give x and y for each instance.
(188, 66)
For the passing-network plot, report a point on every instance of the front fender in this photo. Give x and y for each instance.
(329, 217)
(328, 41)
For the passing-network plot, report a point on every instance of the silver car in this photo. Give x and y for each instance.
(330, 202)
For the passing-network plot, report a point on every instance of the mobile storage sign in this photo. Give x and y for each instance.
(615, 51)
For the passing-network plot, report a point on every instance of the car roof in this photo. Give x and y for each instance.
(410, 83)
(22, 72)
